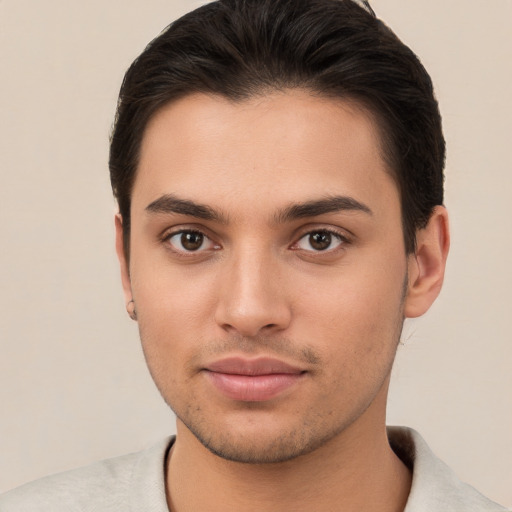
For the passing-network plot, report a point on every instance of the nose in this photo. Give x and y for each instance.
(252, 296)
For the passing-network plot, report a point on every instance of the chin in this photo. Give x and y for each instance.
(261, 444)
(257, 451)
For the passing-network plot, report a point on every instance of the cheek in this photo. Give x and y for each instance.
(173, 308)
(358, 345)
(172, 295)
(356, 320)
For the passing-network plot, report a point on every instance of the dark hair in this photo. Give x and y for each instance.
(335, 48)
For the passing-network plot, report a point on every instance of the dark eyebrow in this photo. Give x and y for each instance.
(313, 208)
(169, 203)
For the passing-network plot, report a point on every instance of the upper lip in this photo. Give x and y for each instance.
(258, 366)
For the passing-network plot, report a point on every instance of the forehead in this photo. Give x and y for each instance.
(284, 146)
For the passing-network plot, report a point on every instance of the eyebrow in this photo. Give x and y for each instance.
(169, 203)
(332, 204)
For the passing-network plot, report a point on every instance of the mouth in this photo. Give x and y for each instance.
(252, 380)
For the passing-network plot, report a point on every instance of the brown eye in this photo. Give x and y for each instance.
(190, 241)
(317, 241)
(320, 241)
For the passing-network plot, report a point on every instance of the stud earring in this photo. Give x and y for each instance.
(130, 309)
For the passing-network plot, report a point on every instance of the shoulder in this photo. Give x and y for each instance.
(106, 486)
(435, 487)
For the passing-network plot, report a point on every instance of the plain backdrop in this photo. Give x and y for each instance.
(74, 386)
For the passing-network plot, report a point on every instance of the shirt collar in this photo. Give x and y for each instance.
(435, 487)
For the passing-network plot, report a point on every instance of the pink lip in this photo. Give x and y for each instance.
(252, 380)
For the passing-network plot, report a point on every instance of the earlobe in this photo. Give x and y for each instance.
(123, 263)
(427, 264)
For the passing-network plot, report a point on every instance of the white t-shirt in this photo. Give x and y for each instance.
(136, 483)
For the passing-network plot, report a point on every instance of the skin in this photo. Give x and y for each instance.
(257, 283)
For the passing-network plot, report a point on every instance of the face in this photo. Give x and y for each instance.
(267, 266)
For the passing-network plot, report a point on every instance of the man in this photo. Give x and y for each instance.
(278, 167)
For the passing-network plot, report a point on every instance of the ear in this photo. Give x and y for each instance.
(123, 263)
(426, 266)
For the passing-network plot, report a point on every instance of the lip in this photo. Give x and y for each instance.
(252, 380)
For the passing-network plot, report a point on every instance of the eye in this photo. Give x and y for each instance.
(188, 241)
(320, 241)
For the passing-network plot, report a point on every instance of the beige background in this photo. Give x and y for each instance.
(74, 387)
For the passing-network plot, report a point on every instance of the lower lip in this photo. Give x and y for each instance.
(253, 388)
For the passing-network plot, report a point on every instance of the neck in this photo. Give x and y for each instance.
(356, 470)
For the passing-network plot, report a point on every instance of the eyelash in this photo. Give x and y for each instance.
(184, 253)
(333, 234)
(336, 235)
